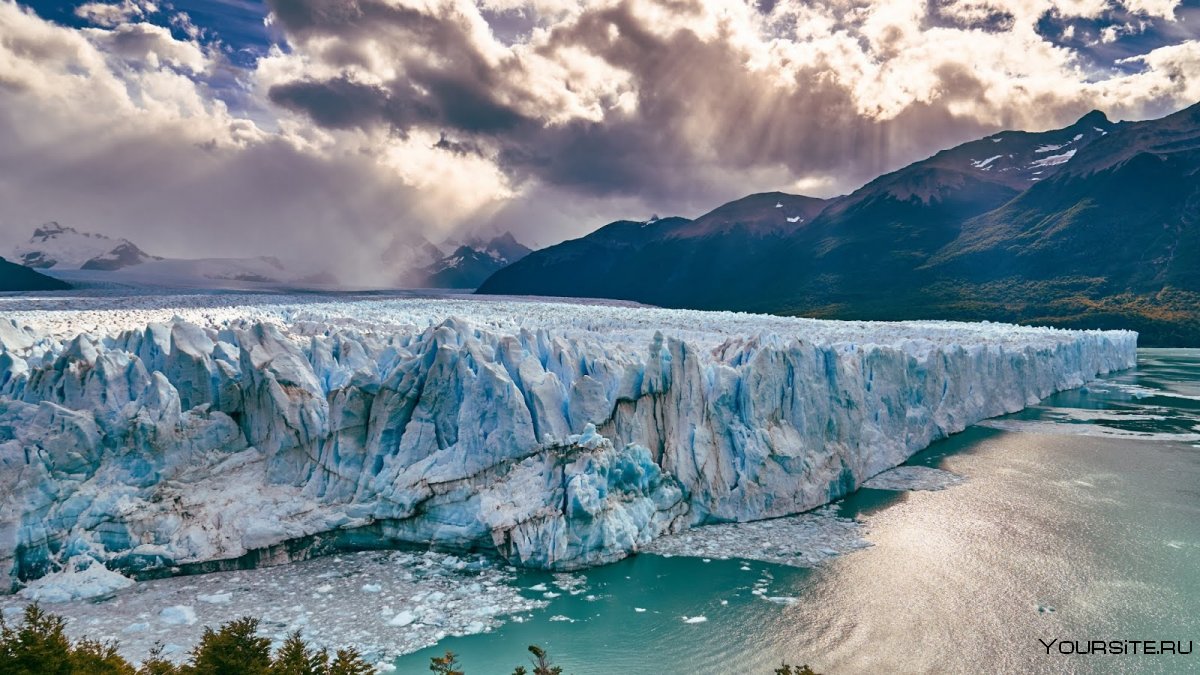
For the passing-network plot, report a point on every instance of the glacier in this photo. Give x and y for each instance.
(174, 434)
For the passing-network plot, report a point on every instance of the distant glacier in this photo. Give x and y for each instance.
(192, 433)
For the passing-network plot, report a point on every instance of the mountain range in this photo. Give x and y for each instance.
(55, 246)
(421, 264)
(1093, 225)
(65, 254)
(85, 257)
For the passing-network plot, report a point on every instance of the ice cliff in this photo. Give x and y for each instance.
(202, 432)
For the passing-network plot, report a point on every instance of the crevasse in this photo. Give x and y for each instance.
(196, 437)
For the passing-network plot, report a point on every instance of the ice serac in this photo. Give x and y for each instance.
(207, 433)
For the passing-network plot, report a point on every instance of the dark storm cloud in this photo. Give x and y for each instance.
(658, 150)
(457, 92)
(340, 103)
(461, 148)
(646, 152)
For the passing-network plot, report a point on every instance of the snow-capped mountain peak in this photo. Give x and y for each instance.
(473, 262)
(65, 248)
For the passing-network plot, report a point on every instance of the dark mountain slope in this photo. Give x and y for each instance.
(1093, 225)
(14, 277)
(1112, 240)
(707, 262)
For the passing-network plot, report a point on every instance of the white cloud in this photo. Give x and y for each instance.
(109, 15)
(425, 120)
(1160, 8)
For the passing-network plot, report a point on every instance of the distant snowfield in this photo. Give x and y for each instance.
(174, 433)
(67, 315)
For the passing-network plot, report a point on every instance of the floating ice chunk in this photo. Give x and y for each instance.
(402, 619)
(538, 588)
(550, 594)
(914, 478)
(93, 581)
(371, 588)
(139, 627)
(215, 598)
(1091, 430)
(639, 610)
(802, 541)
(779, 205)
(282, 596)
(178, 615)
(695, 619)
(782, 599)
(561, 617)
(572, 583)
(794, 219)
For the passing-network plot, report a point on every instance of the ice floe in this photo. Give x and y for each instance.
(804, 540)
(427, 595)
(1094, 430)
(914, 478)
(178, 615)
(82, 579)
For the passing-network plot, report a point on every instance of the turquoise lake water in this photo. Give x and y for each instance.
(1080, 520)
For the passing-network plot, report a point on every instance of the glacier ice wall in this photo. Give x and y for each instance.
(202, 433)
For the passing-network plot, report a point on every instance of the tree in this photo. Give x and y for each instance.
(234, 649)
(295, 658)
(156, 664)
(349, 662)
(541, 663)
(445, 665)
(98, 658)
(38, 647)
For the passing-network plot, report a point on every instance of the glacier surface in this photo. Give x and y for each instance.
(166, 434)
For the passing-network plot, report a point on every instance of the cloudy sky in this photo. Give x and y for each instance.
(326, 128)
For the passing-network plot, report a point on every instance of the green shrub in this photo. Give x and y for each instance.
(40, 647)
